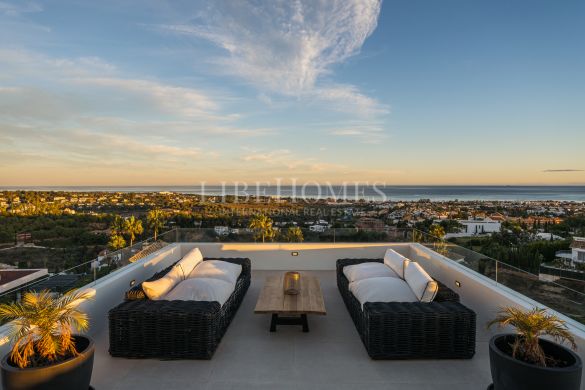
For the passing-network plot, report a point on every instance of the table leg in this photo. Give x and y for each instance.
(276, 320)
(273, 322)
(305, 323)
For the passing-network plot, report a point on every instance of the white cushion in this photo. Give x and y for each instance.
(356, 272)
(156, 289)
(386, 289)
(422, 285)
(396, 261)
(217, 269)
(201, 289)
(190, 261)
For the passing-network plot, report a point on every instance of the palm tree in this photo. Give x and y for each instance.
(155, 220)
(118, 225)
(530, 326)
(41, 326)
(116, 242)
(294, 234)
(263, 227)
(133, 227)
(437, 231)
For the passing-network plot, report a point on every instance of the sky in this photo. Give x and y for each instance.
(399, 92)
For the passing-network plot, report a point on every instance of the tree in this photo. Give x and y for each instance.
(437, 231)
(294, 234)
(42, 326)
(118, 225)
(262, 225)
(133, 227)
(155, 220)
(116, 242)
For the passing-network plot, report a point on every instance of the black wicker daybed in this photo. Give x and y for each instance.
(144, 328)
(441, 329)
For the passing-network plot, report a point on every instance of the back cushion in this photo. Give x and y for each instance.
(422, 285)
(217, 269)
(190, 261)
(201, 289)
(156, 289)
(396, 261)
(361, 271)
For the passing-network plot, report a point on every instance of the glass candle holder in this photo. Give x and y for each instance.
(292, 283)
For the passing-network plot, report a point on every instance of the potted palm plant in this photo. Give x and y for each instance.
(45, 353)
(526, 360)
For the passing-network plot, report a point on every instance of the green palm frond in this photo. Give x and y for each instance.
(42, 325)
(530, 326)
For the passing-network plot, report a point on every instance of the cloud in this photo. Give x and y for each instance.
(563, 170)
(286, 45)
(346, 98)
(84, 113)
(186, 102)
(365, 132)
(92, 92)
(78, 145)
(18, 8)
(290, 47)
(270, 163)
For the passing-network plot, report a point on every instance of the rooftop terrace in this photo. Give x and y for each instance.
(331, 355)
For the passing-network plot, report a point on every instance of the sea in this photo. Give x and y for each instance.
(352, 192)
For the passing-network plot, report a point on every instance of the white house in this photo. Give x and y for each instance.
(474, 227)
(222, 230)
(547, 236)
(480, 226)
(578, 250)
(318, 228)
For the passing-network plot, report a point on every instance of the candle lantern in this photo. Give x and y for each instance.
(292, 283)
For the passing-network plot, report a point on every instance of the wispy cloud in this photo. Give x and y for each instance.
(289, 47)
(563, 170)
(186, 102)
(363, 131)
(93, 92)
(19, 7)
(85, 112)
(285, 46)
(270, 163)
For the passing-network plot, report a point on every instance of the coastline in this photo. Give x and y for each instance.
(567, 193)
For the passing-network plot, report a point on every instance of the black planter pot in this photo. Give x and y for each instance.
(512, 374)
(71, 374)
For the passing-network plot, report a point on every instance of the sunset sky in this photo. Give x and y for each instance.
(402, 92)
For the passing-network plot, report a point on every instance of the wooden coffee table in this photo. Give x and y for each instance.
(290, 309)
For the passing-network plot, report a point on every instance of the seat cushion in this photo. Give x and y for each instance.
(217, 269)
(356, 272)
(201, 289)
(396, 261)
(421, 283)
(190, 261)
(157, 289)
(385, 289)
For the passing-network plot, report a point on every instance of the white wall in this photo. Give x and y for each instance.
(311, 256)
(475, 227)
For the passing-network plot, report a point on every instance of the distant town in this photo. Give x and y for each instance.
(78, 226)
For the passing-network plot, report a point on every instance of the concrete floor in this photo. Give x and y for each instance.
(331, 356)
